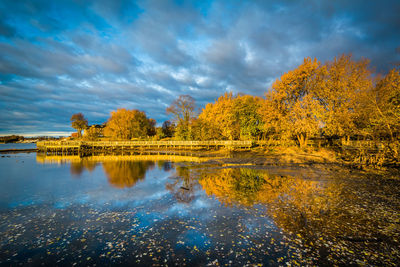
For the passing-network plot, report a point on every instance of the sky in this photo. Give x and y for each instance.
(60, 57)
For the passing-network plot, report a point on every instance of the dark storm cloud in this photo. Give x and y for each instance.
(62, 57)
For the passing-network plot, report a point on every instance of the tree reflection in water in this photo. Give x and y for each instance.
(126, 173)
(120, 173)
(123, 174)
(297, 205)
(77, 167)
(328, 215)
(337, 215)
(165, 165)
(183, 185)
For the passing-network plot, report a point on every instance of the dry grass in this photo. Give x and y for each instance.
(309, 155)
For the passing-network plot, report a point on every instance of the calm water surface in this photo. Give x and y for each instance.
(145, 210)
(17, 146)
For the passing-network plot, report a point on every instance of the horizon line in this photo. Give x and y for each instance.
(39, 134)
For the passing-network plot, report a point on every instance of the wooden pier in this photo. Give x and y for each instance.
(87, 146)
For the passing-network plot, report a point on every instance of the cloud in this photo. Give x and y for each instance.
(62, 57)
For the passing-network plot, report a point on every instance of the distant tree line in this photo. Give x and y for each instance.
(19, 138)
(340, 99)
(11, 138)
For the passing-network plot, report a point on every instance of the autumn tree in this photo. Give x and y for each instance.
(79, 122)
(151, 127)
(343, 84)
(246, 113)
(168, 128)
(291, 108)
(231, 117)
(204, 130)
(127, 124)
(183, 111)
(219, 117)
(93, 132)
(385, 106)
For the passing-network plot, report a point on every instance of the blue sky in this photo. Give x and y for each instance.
(59, 57)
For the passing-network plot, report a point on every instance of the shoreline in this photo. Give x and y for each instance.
(290, 156)
(22, 150)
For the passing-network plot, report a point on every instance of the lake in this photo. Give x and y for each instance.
(17, 146)
(180, 210)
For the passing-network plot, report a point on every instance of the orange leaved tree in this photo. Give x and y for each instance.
(291, 109)
(127, 124)
(344, 84)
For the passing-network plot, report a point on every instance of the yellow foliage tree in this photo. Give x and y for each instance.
(93, 132)
(127, 124)
(204, 130)
(343, 84)
(220, 116)
(291, 108)
(385, 101)
(232, 117)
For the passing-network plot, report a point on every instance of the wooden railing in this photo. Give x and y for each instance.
(53, 144)
(352, 144)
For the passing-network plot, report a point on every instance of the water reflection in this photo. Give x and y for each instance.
(296, 204)
(124, 171)
(339, 214)
(280, 216)
(183, 185)
(304, 203)
(123, 174)
(77, 167)
(133, 156)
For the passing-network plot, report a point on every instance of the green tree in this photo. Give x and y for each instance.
(79, 122)
(246, 112)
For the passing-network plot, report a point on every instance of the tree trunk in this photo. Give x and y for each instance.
(345, 140)
(302, 138)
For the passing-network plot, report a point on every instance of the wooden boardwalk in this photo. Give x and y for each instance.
(75, 158)
(78, 146)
